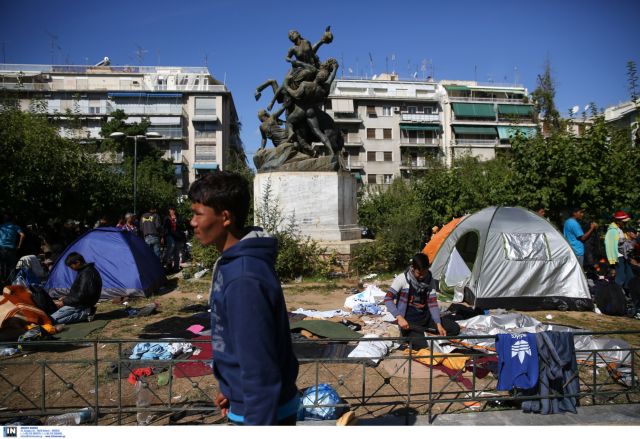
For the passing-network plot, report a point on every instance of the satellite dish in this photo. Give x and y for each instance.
(374, 77)
(586, 107)
(575, 109)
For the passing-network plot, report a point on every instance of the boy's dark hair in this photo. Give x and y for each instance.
(223, 190)
(420, 261)
(72, 258)
(575, 209)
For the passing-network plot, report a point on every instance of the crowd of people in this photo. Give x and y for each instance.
(611, 260)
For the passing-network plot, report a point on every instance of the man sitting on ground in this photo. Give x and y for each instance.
(83, 295)
(413, 301)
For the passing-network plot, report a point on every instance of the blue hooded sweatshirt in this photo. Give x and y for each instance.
(253, 357)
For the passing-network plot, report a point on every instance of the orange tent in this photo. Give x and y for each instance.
(436, 241)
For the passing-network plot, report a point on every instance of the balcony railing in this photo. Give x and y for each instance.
(484, 142)
(354, 164)
(414, 117)
(134, 110)
(412, 141)
(347, 117)
(31, 86)
(475, 99)
(352, 140)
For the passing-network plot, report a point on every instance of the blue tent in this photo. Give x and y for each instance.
(126, 263)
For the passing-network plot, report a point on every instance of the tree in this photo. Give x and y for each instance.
(544, 99)
(50, 178)
(156, 177)
(632, 79)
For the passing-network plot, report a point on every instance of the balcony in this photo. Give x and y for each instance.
(418, 142)
(30, 86)
(146, 110)
(416, 117)
(476, 99)
(352, 140)
(479, 142)
(347, 118)
(354, 164)
(167, 132)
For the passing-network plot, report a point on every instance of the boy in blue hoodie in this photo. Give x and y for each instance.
(253, 357)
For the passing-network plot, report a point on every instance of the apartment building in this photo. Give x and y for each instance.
(194, 113)
(393, 128)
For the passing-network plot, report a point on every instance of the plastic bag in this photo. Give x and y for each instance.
(323, 399)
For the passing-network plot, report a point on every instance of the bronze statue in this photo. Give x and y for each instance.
(303, 92)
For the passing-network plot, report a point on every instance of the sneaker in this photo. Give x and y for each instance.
(92, 314)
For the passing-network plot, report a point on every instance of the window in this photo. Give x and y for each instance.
(371, 178)
(412, 110)
(387, 156)
(386, 110)
(388, 178)
(371, 156)
(205, 130)
(526, 247)
(386, 133)
(371, 111)
(205, 106)
(371, 133)
(205, 153)
(94, 106)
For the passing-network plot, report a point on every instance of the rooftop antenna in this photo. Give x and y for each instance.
(395, 64)
(516, 76)
(206, 60)
(342, 65)
(140, 52)
(371, 63)
(423, 68)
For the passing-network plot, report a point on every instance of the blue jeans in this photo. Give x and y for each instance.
(172, 251)
(70, 314)
(153, 242)
(623, 272)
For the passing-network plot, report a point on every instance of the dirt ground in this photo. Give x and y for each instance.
(70, 384)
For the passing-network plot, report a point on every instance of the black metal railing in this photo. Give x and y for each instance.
(43, 380)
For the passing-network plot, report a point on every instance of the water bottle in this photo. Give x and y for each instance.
(143, 400)
(74, 418)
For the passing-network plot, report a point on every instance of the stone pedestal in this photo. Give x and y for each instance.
(323, 203)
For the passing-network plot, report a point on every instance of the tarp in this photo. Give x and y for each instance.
(127, 265)
(517, 260)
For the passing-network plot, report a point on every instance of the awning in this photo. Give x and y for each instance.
(464, 129)
(164, 95)
(516, 110)
(473, 110)
(420, 127)
(456, 87)
(507, 132)
(205, 166)
(357, 176)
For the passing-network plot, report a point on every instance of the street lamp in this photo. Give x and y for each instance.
(148, 135)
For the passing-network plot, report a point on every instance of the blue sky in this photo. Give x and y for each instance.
(244, 42)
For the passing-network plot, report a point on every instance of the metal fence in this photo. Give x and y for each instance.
(54, 377)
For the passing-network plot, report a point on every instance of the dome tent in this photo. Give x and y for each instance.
(509, 257)
(127, 265)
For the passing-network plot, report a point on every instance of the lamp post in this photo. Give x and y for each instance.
(149, 135)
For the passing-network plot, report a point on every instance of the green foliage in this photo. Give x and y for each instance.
(632, 79)
(51, 178)
(203, 256)
(544, 99)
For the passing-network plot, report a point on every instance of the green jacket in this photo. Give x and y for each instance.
(611, 242)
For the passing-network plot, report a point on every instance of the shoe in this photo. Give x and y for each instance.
(92, 314)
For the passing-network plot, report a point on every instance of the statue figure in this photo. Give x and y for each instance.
(302, 93)
(307, 98)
